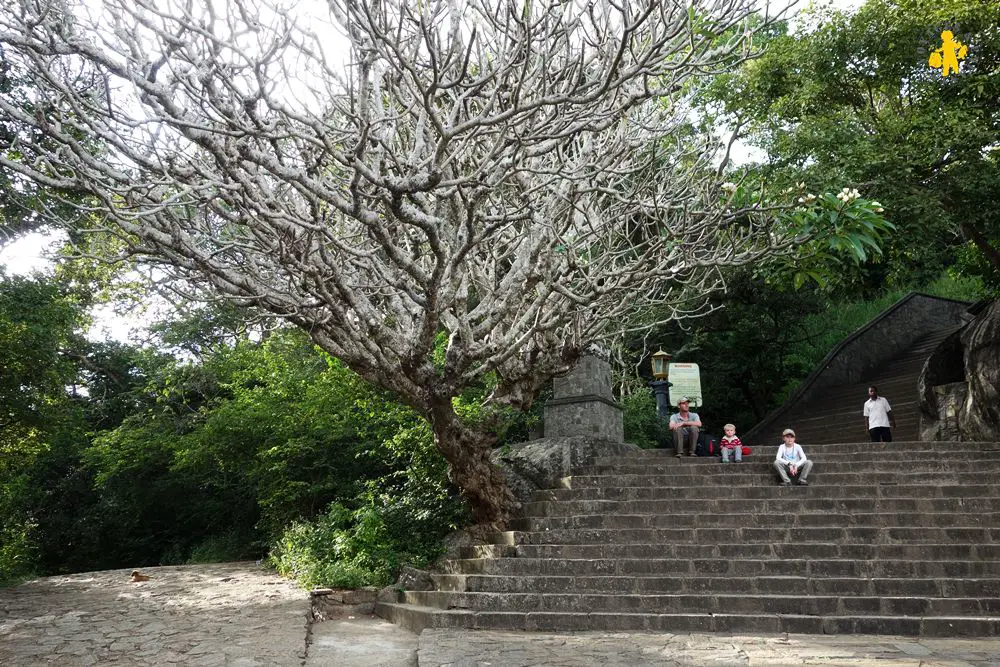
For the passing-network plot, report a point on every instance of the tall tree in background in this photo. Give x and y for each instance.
(504, 177)
(855, 101)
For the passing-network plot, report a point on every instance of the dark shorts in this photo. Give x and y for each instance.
(880, 434)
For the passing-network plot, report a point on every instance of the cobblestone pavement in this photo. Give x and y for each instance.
(202, 615)
(452, 648)
(238, 614)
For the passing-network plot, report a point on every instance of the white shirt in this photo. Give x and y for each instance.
(792, 455)
(877, 410)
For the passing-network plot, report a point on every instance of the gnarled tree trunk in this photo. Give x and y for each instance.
(468, 451)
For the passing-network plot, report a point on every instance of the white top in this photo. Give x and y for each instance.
(877, 410)
(793, 455)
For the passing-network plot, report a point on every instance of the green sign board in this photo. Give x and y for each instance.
(685, 381)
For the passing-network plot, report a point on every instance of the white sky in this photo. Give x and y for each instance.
(29, 253)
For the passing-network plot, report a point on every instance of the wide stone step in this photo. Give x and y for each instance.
(769, 506)
(680, 567)
(849, 415)
(831, 434)
(762, 476)
(418, 618)
(953, 551)
(655, 463)
(620, 584)
(737, 519)
(899, 537)
(987, 463)
(898, 448)
(851, 418)
(796, 603)
(847, 535)
(868, 492)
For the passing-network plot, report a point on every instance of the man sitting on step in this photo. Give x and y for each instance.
(685, 426)
(791, 462)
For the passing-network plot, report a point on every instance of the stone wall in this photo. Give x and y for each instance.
(887, 335)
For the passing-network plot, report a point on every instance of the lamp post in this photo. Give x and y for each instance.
(660, 385)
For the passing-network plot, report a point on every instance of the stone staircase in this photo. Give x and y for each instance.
(898, 538)
(834, 414)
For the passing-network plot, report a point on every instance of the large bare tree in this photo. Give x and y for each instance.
(504, 175)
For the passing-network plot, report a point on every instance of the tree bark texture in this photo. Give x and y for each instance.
(468, 451)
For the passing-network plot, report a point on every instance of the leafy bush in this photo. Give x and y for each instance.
(642, 426)
(17, 552)
(346, 548)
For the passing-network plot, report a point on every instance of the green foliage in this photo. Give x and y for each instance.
(17, 551)
(346, 548)
(153, 460)
(38, 335)
(851, 101)
(642, 426)
(843, 230)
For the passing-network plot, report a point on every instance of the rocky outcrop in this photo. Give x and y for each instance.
(960, 383)
(540, 464)
(941, 390)
(980, 416)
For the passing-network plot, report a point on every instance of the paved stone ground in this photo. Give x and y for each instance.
(451, 648)
(203, 615)
(239, 614)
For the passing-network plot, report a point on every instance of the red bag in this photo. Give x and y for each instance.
(746, 451)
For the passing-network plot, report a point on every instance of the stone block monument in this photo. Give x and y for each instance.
(583, 404)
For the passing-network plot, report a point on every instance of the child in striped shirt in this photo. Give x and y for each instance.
(731, 443)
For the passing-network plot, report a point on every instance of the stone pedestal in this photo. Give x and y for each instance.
(583, 404)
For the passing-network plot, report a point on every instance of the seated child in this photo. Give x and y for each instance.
(730, 443)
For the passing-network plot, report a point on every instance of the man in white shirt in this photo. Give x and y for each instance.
(878, 416)
(791, 462)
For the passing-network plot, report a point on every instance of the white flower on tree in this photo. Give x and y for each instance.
(509, 175)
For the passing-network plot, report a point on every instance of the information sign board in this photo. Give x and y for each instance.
(685, 380)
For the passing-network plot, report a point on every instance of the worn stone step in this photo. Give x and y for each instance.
(899, 384)
(768, 506)
(985, 463)
(762, 476)
(788, 519)
(849, 417)
(622, 584)
(898, 447)
(798, 602)
(952, 551)
(655, 463)
(870, 492)
(844, 535)
(680, 567)
(418, 618)
(832, 433)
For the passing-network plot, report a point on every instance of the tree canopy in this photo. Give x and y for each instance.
(852, 99)
(514, 178)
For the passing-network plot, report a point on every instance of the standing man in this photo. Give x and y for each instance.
(878, 416)
(685, 426)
